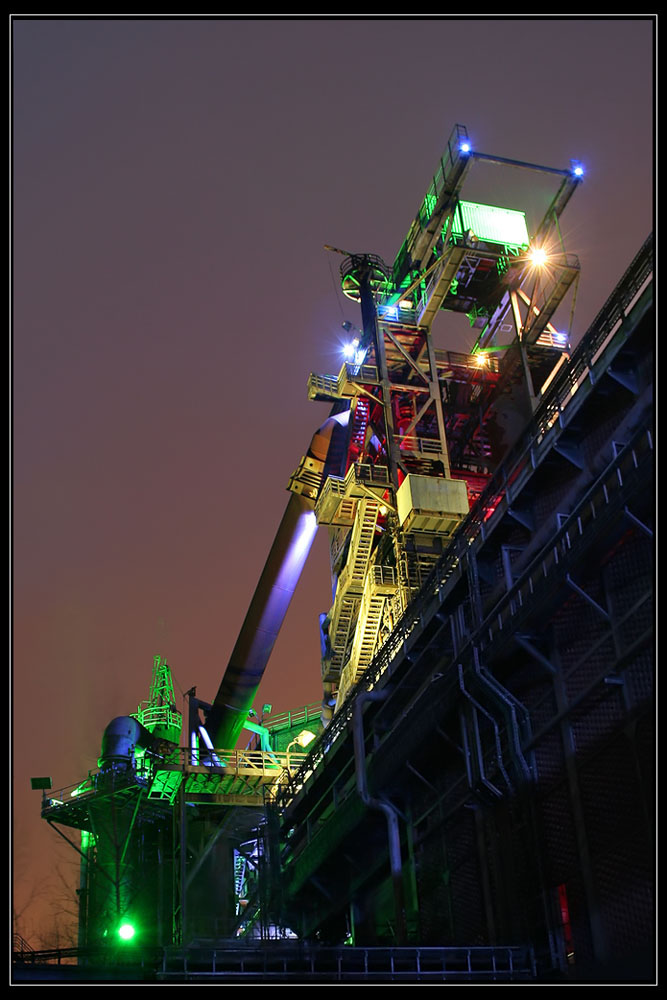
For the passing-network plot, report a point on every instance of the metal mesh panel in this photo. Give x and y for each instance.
(593, 657)
(601, 430)
(644, 744)
(631, 565)
(639, 676)
(469, 924)
(560, 845)
(514, 878)
(549, 759)
(554, 489)
(629, 578)
(585, 646)
(620, 845)
(532, 686)
(597, 716)
(580, 921)
(433, 893)
(467, 904)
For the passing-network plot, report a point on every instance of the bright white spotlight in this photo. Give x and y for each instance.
(538, 256)
(348, 351)
(465, 147)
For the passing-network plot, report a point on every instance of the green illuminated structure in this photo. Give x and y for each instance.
(402, 810)
(159, 715)
(491, 224)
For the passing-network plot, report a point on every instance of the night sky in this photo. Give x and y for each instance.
(174, 183)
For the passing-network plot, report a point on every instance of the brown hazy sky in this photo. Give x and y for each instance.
(174, 183)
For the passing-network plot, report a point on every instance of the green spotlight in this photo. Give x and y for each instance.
(126, 932)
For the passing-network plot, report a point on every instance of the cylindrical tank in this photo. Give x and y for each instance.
(120, 738)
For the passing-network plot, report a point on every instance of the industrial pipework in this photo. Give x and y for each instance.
(277, 584)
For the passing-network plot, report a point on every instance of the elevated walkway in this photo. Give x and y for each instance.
(226, 777)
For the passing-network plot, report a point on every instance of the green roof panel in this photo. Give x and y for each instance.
(491, 224)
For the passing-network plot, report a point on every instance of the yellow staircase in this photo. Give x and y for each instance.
(381, 584)
(344, 613)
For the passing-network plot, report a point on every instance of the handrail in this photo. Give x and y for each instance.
(266, 763)
(274, 765)
(290, 718)
(420, 445)
(455, 359)
(20, 946)
(280, 959)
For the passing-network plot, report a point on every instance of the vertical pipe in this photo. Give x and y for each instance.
(434, 389)
(390, 813)
(182, 860)
(160, 887)
(371, 331)
(83, 888)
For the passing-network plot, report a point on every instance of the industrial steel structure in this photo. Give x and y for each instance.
(473, 798)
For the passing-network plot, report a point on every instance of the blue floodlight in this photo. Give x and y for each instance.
(465, 147)
(577, 168)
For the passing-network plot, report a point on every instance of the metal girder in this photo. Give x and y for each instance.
(636, 521)
(386, 330)
(587, 597)
(522, 641)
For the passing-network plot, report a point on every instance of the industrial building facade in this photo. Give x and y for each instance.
(509, 718)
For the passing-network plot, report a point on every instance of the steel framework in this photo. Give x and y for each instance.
(507, 719)
(478, 803)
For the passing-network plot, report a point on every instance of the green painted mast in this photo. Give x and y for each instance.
(159, 714)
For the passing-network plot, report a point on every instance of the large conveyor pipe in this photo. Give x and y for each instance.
(263, 621)
(270, 602)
